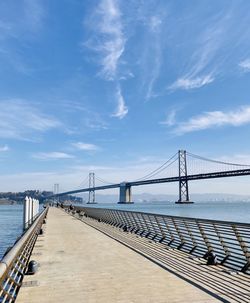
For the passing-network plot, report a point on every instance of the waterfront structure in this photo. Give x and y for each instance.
(103, 255)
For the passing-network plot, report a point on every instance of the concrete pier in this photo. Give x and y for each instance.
(125, 194)
(78, 263)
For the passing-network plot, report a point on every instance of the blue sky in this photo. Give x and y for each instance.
(117, 87)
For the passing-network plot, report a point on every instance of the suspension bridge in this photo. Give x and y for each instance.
(182, 167)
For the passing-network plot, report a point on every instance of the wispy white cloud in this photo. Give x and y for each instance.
(34, 14)
(31, 15)
(245, 65)
(52, 156)
(204, 53)
(94, 121)
(151, 20)
(191, 83)
(5, 30)
(155, 26)
(4, 148)
(155, 23)
(95, 168)
(214, 119)
(170, 118)
(19, 24)
(85, 146)
(89, 118)
(122, 109)
(20, 120)
(109, 28)
(109, 42)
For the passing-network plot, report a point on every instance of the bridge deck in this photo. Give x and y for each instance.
(80, 264)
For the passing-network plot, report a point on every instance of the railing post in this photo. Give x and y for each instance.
(170, 235)
(26, 213)
(191, 236)
(183, 181)
(223, 244)
(181, 238)
(159, 224)
(204, 237)
(244, 248)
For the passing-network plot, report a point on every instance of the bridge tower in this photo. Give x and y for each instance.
(183, 181)
(91, 188)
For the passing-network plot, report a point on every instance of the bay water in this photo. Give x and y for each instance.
(215, 210)
(11, 216)
(11, 219)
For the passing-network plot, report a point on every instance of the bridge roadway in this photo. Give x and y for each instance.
(213, 175)
(78, 263)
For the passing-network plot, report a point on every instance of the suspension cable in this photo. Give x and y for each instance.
(215, 161)
(159, 169)
(85, 181)
(156, 173)
(104, 181)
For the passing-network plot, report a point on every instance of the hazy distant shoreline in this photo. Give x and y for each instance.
(7, 202)
(147, 197)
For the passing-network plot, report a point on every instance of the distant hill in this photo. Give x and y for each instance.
(147, 197)
(18, 197)
(7, 202)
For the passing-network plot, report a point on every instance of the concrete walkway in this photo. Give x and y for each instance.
(80, 264)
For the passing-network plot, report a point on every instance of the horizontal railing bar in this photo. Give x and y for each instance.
(225, 223)
(14, 263)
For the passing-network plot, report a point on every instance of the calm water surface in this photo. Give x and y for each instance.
(11, 215)
(227, 211)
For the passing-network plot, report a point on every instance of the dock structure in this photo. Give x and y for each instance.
(86, 260)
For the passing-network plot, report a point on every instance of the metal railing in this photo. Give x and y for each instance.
(229, 241)
(14, 263)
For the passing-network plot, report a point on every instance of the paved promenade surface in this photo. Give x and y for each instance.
(80, 264)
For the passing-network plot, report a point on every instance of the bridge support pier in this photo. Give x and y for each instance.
(183, 181)
(125, 194)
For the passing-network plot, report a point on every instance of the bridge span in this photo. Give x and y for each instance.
(183, 177)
